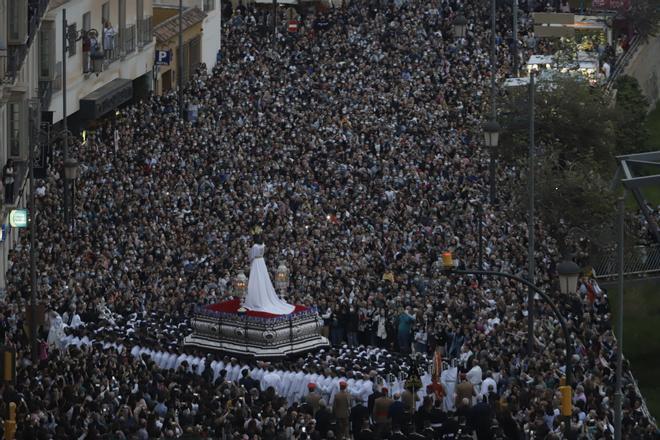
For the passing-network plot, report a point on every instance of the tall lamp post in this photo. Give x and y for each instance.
(69, 37)
(34, 346)
(491, 140)
(449, 267)
(618, 394)
(530, 217)
(493, 94)
(274, 20)
(71, 173)
(180, 60)
(514, 32)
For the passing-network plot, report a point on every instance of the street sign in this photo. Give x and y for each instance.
(18, 218)
(3, 233)
(163, 57)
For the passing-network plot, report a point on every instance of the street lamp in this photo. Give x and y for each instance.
(491, 139)
(240, 285)
(71, 173)
(71, 169)
(282, 279)
(67, 39)
(491, 133)
(569, 272)
(450, 266)
(460, 26)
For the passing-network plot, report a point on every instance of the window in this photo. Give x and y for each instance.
(87, 21)
(14, 126)
(194, 53)
(72, 31)
(122, 24)
(209, 5)
(139, 12)
(47, 51)
(17, 21)
(105, 13)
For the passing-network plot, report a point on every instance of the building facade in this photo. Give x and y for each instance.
(109, 61)
(201, 29)
(109, 55)
(20, 103)
(167, 40)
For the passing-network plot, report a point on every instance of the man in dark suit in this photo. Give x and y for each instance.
(397, 411)
(323, 419)
(481, 419)
(372, 398)
(341, 409)
(247, 381)
(366, 433)
(359, 413)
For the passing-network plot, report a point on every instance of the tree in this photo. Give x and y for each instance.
(644, 17)
(631, 105)
(573, 195)
(572, 120)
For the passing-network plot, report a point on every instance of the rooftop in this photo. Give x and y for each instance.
(169, 28)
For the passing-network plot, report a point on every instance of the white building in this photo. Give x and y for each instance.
(110, 52)
(20, 22)
(109, 59)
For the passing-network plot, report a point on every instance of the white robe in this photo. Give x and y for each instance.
(271, 379)
(449, 378)
(56, 332)
(261, 295)
(216, 367)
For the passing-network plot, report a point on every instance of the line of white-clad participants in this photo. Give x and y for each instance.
(295, 385)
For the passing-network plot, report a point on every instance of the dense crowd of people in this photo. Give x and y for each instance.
(354, 149)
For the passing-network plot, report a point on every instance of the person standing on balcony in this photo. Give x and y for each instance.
(8, 181)
(109, 39)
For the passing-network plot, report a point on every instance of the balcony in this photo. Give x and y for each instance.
(111, 49)
(128, 40)
(45, 93)
(145, 32)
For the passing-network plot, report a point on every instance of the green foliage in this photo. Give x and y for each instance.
(631, 134)
(572, 120)
(572, 195)
(645, 18)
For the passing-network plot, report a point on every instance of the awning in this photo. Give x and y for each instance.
(168, 29)
(110, 96)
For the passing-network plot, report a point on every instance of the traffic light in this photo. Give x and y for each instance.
(566, 400)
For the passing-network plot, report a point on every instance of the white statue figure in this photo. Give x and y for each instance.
(261, 295)
(56, 331)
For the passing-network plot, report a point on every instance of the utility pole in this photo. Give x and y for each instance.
(480, 215)
(493, 110)
(274, 20)
(618, 397)
(67, 196)
(180, 61)
(33, 218)
(530, 224)
(515, 38)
